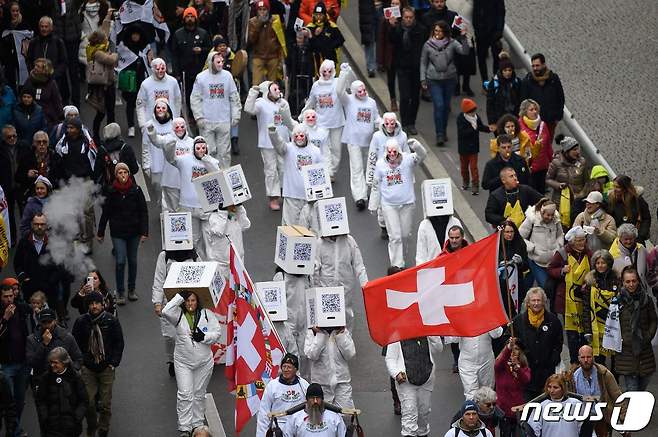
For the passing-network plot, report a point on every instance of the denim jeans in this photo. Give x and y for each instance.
(125, 248)
(371, 61)
(441, 91)
(636, 382)
(17, 375)
(538, 273)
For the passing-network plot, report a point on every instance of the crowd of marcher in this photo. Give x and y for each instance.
(572, 258)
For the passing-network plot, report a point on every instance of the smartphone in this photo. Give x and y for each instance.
(90, 281)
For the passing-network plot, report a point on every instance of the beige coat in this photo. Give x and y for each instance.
(605, 232)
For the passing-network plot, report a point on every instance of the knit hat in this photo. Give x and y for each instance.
(47, 315)
(190, 11)
(219, 39)
(28, 89)
(119, 166)
(111, 131)
(468, 105)
(575, 232)
(290, 359)
(320, 8)
(314, 391)
(9, 281)
(504, 61)
(263, 4)
(568, 143)
(44, 180)
(75, 122)
(94, 296)
(469, 405)
(70, 109)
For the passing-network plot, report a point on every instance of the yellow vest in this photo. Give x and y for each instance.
(565, 207)
(573, 308)
(599, 303)
(514, 213)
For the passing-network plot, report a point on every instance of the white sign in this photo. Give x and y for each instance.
(234, 186)
(273, 297)
(209, 191)
(176, 230)
(437, 197)
(392, 12)
(317, 183)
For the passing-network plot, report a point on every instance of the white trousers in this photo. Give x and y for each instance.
(190, 398)
(357, 172)
(295, 212)
(218, 138)
(273, 170)
(399, 219)
(170, 199)
(156, 179)
(416, 406)
(474, 376)
(196, 230)
(335, 148)
(169, 335)
(340, 395)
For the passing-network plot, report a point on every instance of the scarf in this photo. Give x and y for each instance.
(587, 387)
(536, 319)
(439, 44)
(96, 346)
(91, 50)
(472, 119)
(541, 80)
(122, 188)
(532, 124)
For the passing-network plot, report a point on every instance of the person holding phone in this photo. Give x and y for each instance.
(94, 281)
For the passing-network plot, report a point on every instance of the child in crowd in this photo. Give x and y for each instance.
(469, 125)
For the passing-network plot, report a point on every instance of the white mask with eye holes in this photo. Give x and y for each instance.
(274, 92)
(310, 117)
(390, 123)
(299, 136)
(359, 90)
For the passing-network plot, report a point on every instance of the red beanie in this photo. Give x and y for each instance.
(468, 105)
(189, 11)
(263, 4)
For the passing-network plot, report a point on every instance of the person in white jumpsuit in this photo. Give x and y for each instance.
(361, 121)
(159, 300)
(393, 186)
(152, 157)
(196, 329)
(170, 174)
(159, 85)
(329, 350)
(338, 262)
(226, 222)
(476, 361)
(411, 364)
(281, 394)
(318, 136)
(269, 109)
(191, 166)
(323, 97)
(215, 104)
(432, 235)
(315, 420)
(296, 154)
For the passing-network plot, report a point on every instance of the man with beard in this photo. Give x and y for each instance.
(269, 109)
(158, 85)
(314, 420)
(190, 46)
(267, 43)
(295, 154)
(215, 104)
(544, 86)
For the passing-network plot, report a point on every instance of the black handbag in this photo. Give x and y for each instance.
(273, 429)
(354, 428)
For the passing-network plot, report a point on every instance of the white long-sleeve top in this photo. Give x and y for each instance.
(477, 351)
(279, 396)
(396, 184)
(318, 136)
(323, 97)
(153, 89)
(428, 246)
(222, 224)
(361, 120)
(215, 98)
(395, 361)
(299, 426)
(152, 155)
(184, 146)
(268, 112)
(329, 354)
(376, 150)
(294, 158)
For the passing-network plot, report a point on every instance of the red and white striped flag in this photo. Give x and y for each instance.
(254, 350)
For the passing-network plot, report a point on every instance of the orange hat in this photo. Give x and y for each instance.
(190, 10)
(468, 105)
(9, 281)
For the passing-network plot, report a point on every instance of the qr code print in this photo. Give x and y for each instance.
(311, 312)
(272, 295)
(316, 177)
(330, 303)
(439, 192)
(333, 212)
(283, 242)
(177, 224)
(212, 191)
(235, 180)
(302, 252)
(190, 274)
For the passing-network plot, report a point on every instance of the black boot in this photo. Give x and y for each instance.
(235, 147)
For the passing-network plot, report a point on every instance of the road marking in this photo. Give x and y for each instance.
(212, 417)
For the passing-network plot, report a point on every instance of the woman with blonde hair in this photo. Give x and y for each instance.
(101, 60)
(555, 390)
(540, 142)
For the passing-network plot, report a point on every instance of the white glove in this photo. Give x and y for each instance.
(254, 90)
(345, 67)
(201, 123)
(150, 128)
(516, 259)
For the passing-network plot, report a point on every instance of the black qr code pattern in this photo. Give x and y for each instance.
(333, 212)
(235, 180)
(311, 312)
(316, 177)
(190, 274)
(330, 303)
(439, 192)
(272, 295)
(177, 224)
(302, 252)
(212, 191)
(283, 242)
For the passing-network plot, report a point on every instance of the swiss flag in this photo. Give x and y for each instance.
(455, 294)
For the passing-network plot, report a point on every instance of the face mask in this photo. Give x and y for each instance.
(300, 139)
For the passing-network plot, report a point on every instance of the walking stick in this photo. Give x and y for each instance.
(509, 296)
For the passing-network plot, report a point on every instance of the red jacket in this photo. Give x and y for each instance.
(554, 269)
(307, 6)
(545, 156)
(509, 389)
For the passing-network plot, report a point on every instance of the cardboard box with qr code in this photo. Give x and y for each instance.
(222, 188)
(317, 183)
(273, 296)
(295, 249)
(332, 216)
(203, 278)
(176, 230)
(325, 307)
(437, 197)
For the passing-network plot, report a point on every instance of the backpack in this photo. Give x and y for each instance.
(456, 430)
(128, 80)
(110, 160)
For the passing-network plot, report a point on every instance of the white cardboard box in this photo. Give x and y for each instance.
(325, 307)
(317, 183)
(209, 191)
(203, 278)
(437, 197)
(273, 297)
(295, 249)
(332, 216)
(176, 230)
(234, 186)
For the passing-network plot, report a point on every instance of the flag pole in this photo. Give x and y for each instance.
(501, 238)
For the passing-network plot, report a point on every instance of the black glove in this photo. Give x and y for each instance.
(198, 335)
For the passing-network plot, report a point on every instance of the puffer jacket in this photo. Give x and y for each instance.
(61, 402)
(28, 120)
(606, 223)
(575, 174)
(630, 361)
(542, 239)
(439, 63)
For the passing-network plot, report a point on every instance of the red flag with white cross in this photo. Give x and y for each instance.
(455, 294)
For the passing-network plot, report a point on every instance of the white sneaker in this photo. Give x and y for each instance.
(131, 132)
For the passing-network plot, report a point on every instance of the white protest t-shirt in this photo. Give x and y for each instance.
(215, 90)
(297, 157)
(324, 99)
(267, 113)
(360, 119)
(170, 174)
(396, 185)
(191, 167)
